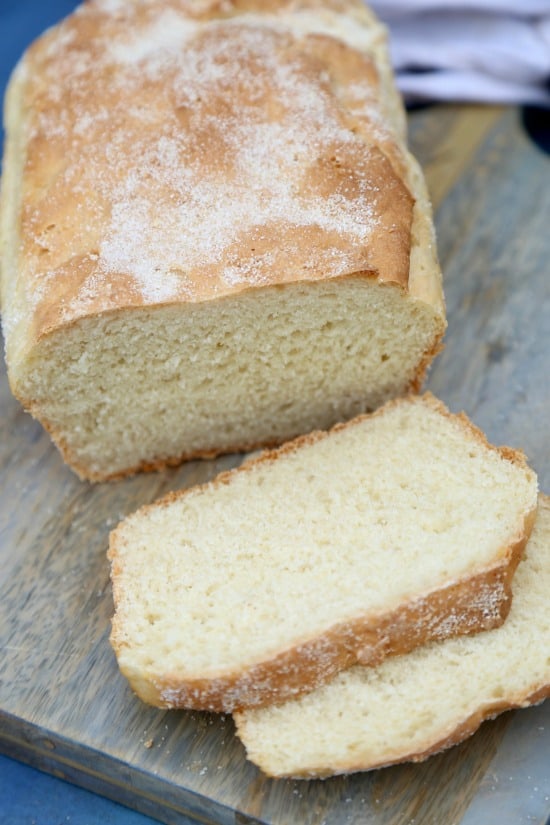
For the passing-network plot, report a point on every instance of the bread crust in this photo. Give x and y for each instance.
(45, 195)
(465, 606)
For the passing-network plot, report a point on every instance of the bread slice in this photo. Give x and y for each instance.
(415, 705)
(212, 234)
(397, 528)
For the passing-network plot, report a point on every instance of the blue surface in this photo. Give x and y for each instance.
(27, 796)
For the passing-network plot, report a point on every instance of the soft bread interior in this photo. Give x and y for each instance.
(256, 369)
(222, 578)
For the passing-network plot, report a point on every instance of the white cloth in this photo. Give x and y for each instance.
(476, 50)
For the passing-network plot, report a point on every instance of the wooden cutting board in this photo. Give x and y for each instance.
(63, 705)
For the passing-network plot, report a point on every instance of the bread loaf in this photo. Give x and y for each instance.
(415, 705)
(340, 547)
(212, 234)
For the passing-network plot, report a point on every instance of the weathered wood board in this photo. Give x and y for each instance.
(63, 705)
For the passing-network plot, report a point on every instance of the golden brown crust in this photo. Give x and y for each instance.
(466, 606)
(88, 179)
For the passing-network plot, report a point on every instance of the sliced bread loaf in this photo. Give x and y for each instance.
(415, 705)
(396, 528)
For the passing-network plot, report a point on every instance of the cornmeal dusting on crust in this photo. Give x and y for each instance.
(248, 153)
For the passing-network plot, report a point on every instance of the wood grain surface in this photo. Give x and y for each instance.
(63, 705)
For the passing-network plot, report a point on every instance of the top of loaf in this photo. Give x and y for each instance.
(179, 150)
